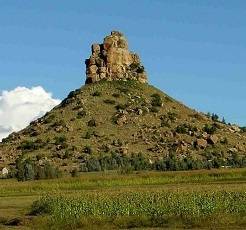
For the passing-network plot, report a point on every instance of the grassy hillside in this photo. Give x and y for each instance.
(125, 124)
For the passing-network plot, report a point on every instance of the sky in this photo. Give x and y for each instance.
(193, 50)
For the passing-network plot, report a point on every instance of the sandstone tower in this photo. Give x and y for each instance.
(113, 61)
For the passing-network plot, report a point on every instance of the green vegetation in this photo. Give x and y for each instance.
(185, 128)
(198, 199)
(30, 145)
(150, 206)
(210, 129)
(96, 94)
(156, 100)
(243, 129)
(214, 117)
(26, 169)
(92, 123)
(109, 101)
(145, 119)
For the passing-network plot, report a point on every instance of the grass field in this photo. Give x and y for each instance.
(214, 199)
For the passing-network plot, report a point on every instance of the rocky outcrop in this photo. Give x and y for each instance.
(201, 143)
(113, 61)
(213, 139)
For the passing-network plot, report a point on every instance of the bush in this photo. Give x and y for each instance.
(29, 170)
(116, 95)
(93, 165)
(87, 149)
(109, 101)
(92, 123)
(50, 171)
(154, 109)
(60, 140)
(81, 114)
(67, 155)
(210, 129)
(121, 106)
(224, 141)
(136, 67)
(59, 123)
(96, 94)
(243, 129)
(88, 135)
(25, 170)
(156, 100)
(215, 117)
(49, 118)
(123, 89)
(30, 145)
(75, 173)
(172, 116)
(185, 128)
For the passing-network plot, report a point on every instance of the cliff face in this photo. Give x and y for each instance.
(113, 61)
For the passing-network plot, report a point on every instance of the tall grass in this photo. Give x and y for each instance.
(186, 205)
(104, 180)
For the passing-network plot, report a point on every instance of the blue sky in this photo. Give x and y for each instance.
(193, 50)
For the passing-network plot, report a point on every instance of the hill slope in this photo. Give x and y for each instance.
(118, 120)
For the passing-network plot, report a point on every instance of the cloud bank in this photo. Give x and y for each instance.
(22, 105)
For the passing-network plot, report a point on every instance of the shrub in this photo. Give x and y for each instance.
(66, 155)
(87, 149)
(59, 123)
(77, 107)
(154, 109)
(60, 140)
(88, 135)
(50, 171)
(185, 128)
(243, 129)
(93, 165)
(121, 106)
(109, 101)
(156, 100)
(172, 116)
(96, 94)
(31, 145)
(224, 141)
(116, 95)
(210, 129)
(74, 172)
(136, 67)
(49, 118)
(123, 90)
(92, 123)
(140, 69)
(139, 162)
(29, 170)
(25, 170)
(81, 113)
(215, 117)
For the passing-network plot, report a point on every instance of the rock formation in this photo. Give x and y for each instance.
(113, 61)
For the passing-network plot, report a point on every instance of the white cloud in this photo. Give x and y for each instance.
(22, 105)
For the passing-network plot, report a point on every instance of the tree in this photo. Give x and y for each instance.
(215, 117)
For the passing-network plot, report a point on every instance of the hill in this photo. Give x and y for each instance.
(117, 120)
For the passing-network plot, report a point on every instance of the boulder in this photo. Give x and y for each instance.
(234, 129)
(121, 120)
(213, 139)
(201, 143)
(5, 171)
